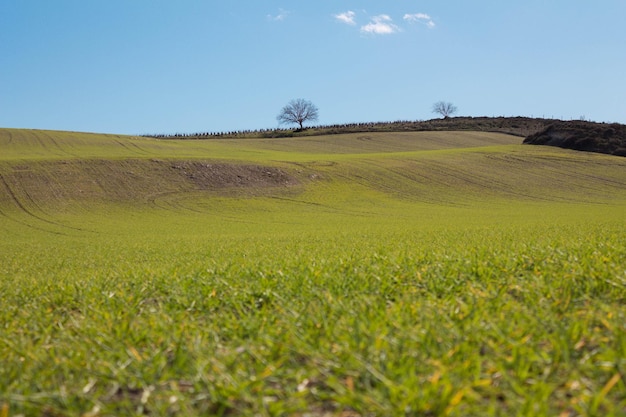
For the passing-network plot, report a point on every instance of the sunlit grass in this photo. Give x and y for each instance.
(490, 281)
(20, 144)
(462, 311)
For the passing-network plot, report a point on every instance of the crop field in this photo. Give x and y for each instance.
(379, 274)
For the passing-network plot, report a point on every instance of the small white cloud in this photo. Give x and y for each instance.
(416, 17)
(282, 15)
(420, 18)
(347, 17)
(380, 25)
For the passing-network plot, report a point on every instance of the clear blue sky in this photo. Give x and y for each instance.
(157, 66)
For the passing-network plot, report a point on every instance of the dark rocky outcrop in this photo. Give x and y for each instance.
(583, 136)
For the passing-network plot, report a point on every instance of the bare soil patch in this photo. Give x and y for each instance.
(133, 180)
(206, 175)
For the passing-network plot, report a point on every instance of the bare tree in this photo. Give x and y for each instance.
(444, 108)
(298, 111)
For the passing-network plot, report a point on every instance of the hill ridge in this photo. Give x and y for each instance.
(609, 138)
(66, 171)
(516, 125)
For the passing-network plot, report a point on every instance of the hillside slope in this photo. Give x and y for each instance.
(433, 273)
(42, 171)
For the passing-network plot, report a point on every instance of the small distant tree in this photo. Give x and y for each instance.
(444, 108)
(298, 111)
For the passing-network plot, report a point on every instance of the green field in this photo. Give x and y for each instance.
(378, 274)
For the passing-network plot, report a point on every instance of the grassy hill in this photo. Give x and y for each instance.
(48, 169)
(380, 273)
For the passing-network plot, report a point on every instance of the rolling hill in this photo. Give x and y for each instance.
(47, 170)
(380, 273)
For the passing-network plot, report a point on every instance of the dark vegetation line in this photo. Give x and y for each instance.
(608, 138)
(519, 126)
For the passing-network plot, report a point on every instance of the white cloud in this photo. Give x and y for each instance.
(420, 18)
(347, 17)
(380, 25)
(282, 15)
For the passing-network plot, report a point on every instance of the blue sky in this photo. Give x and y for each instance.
(156, 66)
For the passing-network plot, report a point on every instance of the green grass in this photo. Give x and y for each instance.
(393, 279)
